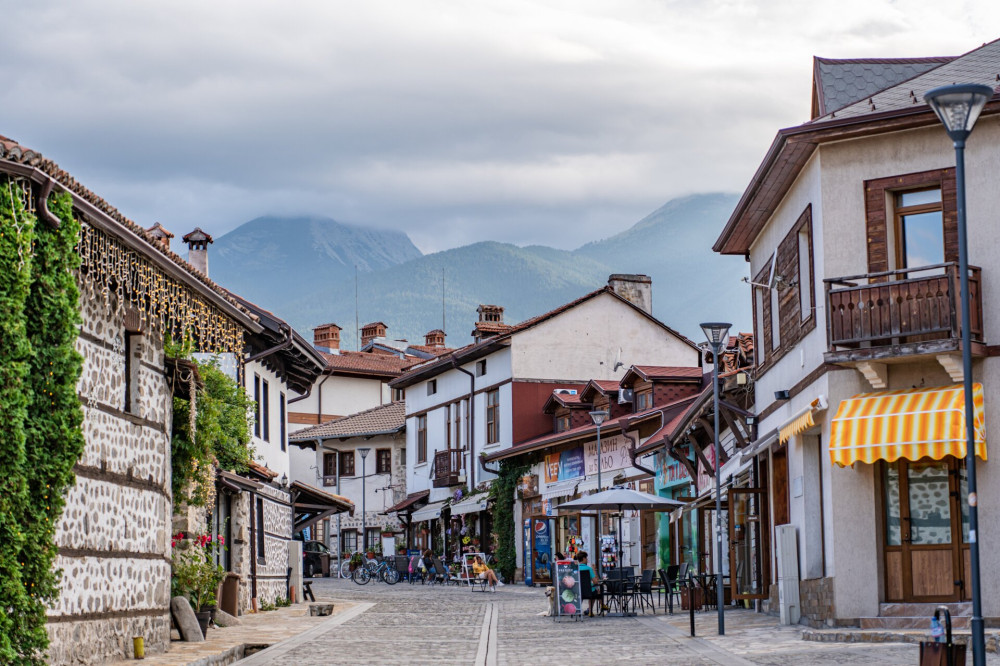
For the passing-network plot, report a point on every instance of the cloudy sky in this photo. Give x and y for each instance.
(552, 122)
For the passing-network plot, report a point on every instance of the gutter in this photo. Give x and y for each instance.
(635, 443)
(101, 220)
(472, 420)
(285, 344)
(42, 206)
(308, 393)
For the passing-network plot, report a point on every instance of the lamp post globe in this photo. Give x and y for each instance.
(958, 107)
(717, 334)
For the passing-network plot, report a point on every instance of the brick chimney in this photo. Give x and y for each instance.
(326, 337)
(198, 242)
(636, 289)
(371, 331)
(490, 322)
(161, 236)
(434, 338)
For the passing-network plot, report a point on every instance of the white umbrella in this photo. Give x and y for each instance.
(621, 499)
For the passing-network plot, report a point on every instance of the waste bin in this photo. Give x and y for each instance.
(230, 600)
(942, 654)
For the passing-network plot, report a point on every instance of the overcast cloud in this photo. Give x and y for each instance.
(511, 120)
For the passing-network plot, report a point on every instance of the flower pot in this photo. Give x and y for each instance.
(204, 618)
(370, 554)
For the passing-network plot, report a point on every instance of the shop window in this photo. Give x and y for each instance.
(383, 461)
(347, 463)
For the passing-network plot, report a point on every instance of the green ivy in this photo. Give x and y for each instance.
(41, 438)
(503, 493)
(222, 433)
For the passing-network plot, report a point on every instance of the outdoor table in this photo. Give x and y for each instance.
(622, 596)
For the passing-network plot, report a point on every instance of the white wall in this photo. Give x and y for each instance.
(341, 395)
(582, 343)
(270, 452)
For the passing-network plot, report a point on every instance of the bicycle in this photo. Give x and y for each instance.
(373, 569)
(345, 566)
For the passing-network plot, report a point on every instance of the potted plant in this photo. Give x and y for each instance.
(196, 573)
(355, 562)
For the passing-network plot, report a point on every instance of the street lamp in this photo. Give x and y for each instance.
(598, 416)
(364, 525)
(717, 334)
(958, 107)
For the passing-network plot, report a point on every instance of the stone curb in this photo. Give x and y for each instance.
(866, 636)
(274, 653)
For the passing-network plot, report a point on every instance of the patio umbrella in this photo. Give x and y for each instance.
(621, 499)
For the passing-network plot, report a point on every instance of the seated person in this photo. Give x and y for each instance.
(582, 559)
(480, 569)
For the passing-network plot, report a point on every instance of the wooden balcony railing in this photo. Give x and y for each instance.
(915, 305)
(447, 467)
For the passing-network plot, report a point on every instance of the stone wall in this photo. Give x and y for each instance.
(815, 599)
(272, 569)
(114, 535)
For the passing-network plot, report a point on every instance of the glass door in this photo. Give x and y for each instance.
(925, 530)
(745, 543)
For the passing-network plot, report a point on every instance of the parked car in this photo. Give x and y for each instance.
(315, 559)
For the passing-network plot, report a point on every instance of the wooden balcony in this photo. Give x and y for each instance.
(891, 316)
(447, 468)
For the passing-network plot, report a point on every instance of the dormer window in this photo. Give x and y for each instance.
(562, 423)
(643, 401)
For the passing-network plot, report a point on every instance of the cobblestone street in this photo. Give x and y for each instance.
(414, 624)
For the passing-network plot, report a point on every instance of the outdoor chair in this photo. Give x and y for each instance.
(643, 591)
(413, 571)
(587, 590)
(401, 565)
(441, 572)
(668, 584)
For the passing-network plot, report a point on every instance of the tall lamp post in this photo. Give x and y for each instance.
(958, 107)
(364, 524)
(598, 416)
(717, 334)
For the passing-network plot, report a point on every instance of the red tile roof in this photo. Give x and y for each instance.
(11, 151)
(410, 500)
(365, 363)
(381, 420)
(437, 351)
(668, 372)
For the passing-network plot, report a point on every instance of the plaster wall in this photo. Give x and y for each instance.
(340, 395)
(582, 343)
(269, 447)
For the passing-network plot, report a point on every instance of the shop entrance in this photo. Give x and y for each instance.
(926, 530)
(746, 543)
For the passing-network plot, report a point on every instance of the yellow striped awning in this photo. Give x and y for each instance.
(911, 424)
(802, 422)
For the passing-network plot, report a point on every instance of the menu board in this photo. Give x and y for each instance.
(568, 590)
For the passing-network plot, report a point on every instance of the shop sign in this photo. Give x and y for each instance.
(670, 472)
(614, 454)
(565, 465)
(529, 485)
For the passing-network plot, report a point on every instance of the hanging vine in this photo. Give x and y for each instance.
(18, 628)
(503, 493)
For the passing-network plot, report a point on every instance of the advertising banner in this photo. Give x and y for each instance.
(614, 454)
(669, 472)
(552, 468)
(571, 464)
(568, 593)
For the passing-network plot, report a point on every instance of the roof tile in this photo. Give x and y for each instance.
(377, 420)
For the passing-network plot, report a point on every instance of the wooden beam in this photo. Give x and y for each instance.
(709, 430)
(688, 465)
(699, 452)
(731, 424)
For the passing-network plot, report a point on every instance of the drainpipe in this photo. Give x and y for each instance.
(284, 344)
(472, 422)
(635, 443)
(42, 207)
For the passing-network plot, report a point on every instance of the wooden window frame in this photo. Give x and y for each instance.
(266, 408)
(432, 386)
(282, 418)
(346, 464)
(343, 537)
(256, 405)
(493, 416)
(328, 478)
(261, 541)
(132, 339)
(480, 367)
(899, 212)
(421, 439)
(383, 461)
(447, 426)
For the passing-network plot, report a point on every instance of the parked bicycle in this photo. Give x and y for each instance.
(373, 569)
(345, 566)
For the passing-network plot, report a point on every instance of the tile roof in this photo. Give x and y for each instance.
(436, 351)
(366, 363)
(602, 386)
(840, 83)
(12, 151)
(977, 66)
(381, 420)
(669, 372)
(410, 500)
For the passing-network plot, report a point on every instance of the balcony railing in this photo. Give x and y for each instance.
(447, 467)
(902, 307)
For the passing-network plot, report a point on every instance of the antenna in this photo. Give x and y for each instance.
(357, 325)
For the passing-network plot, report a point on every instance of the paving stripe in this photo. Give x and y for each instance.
(486, 655)
(278, 650)
(699, 646)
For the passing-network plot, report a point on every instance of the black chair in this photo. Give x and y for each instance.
(668, 585)
(587, 590)
(642, 591)
(413, 573)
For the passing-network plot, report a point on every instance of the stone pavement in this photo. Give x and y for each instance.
(417, 624)
(223, 646)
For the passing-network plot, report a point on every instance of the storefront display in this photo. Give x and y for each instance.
(568, 589)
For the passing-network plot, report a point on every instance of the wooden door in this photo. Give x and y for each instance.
(779, 486)
(924, 550)
(650, 520)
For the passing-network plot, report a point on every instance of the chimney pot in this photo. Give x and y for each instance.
(160, 236)
(326, 337)
(434, 338)
(198, 242)
(371, 331)
(634, 288)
